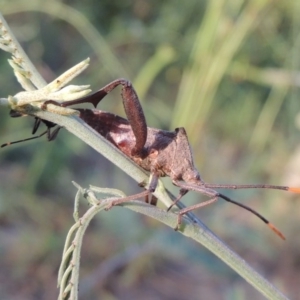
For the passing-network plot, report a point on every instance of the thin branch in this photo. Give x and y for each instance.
(212, 243)
(187, 228)
(23, 65)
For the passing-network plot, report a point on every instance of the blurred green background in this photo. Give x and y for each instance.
(227, 72)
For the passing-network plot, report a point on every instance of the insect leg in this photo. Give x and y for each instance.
(28, 139)
(36, 125)
(182, 212)
(132, 106)
(182, 192)
(52, 135)
(146, 193)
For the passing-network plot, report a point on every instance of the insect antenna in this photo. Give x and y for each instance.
(253, 212)
(252, 186)
(204, 189)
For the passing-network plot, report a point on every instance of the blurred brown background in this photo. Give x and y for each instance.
(227, 72)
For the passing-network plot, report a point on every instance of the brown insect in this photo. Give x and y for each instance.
(160, 152)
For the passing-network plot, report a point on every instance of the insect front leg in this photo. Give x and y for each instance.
(182, 193)
(184, 211)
